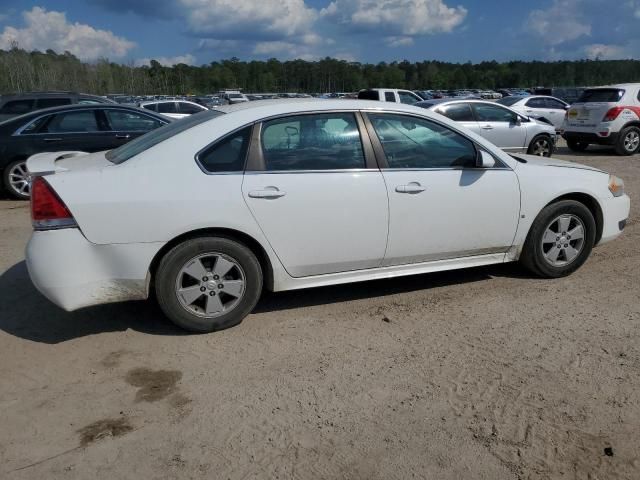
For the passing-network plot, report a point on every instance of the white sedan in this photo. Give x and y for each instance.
(209, 211)
(173, 108)
(551, 109)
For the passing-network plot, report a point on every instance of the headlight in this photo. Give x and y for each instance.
(616, 186)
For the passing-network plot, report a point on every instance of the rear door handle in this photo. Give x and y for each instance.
(52, 139)
(268, 193)
(413, 187)
(487, 127)
(125, 136)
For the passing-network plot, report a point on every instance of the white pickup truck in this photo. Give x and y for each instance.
(389, 95)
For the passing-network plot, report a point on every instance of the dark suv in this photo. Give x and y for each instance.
(21, 103)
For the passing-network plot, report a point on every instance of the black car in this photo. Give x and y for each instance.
(87, 128)
(17, 104)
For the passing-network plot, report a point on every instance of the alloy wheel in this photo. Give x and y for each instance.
(563, 240)
(210, 285)
(541, 147)
(631, 141)
(19, 179)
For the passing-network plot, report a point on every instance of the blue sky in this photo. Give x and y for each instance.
(201, 31)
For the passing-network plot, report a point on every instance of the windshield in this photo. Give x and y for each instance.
(608, 95)
(508, 101)
(145, 142)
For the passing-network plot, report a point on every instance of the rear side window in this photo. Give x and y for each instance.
(151, 106)
(188, 108)
(52, 102)
(508, 101)
(604, 95)
(389, 97)
(167, 107)
(368, 95)
(227, 155)
(459, 112)
(312, 142)
(17, 107)
(408, 98)
(124, 121)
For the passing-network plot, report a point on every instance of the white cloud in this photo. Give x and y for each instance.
(599, 51)
(399, 41)
(240, 19)
(560, 23)
(187, 59)
(399, 17)
(50, 30)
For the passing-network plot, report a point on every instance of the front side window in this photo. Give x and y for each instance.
(328, 141)
(150, 106)
(189, 108)
(458, 112)
(536, 103)
(35, 125)
(411, 142)
(554, 104)
(389, 97)
(407, 98)
(227, 155)
(73, 122)
(491, 113)
(124, 121)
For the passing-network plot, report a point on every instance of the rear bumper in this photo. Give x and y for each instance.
(615, 212)
(74, 273)
(588, 137)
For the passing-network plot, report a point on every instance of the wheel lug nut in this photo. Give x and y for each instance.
(202, 289)
(212, 294)
(568, 237)
(557, 239)
(216, 277)
(204, 279)
(221, 286)
(566, 245)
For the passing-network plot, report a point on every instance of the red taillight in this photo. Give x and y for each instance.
(612, 114)
(47, 210)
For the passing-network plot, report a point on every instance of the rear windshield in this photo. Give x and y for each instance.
(609, 95)
(508, 101)
(148, 140)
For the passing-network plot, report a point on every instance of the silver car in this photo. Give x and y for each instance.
(504, 127)
(544, 107)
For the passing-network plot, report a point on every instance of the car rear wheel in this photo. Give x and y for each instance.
(628, 141)
(208, 283)
(541, 146)
(576, 146)
(17, 181)
(560, 239)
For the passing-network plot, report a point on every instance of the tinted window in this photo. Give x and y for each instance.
(151, 106)
(167, 107)
(554, 104)
(609, 95)
(508, 101)
(140, 144)
(411, 142)
(459, 112)
(34, 126)
(52, 102)
(408, 98)
(17, 106)
(368, 95)
(188, 108)
(73, 122)
(491, 113)
(121, 120)
(536, 103)
(87, 101)
(227, 155)
(312, 142)
(389, 96)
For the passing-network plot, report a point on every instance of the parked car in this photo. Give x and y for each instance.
(232, 97)
(502, 126)
(566, 94)
(13, 105)
(90, 128)
(605, 116)
(302, 194)
(173, 109)
(389, 95)
(543, 108)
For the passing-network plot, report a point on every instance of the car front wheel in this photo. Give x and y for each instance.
(541, 146)
(560, 239)
(208, 283)
(17, 181)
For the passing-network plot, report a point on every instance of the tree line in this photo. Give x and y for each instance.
(22, 71)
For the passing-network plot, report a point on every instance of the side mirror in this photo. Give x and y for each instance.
(485, 160)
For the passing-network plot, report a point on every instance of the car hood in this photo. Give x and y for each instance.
(554, 162)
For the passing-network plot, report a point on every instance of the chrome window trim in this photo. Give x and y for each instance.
(334, 170)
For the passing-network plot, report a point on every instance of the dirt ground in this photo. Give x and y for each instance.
(476, 374)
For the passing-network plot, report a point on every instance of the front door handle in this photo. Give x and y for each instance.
(487, 127)
(121, 135)
(268, 193)
(52, 139)
(413, 187)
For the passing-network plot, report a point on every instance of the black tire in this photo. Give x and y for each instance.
(576, 146)
(7, 182)
(170, 268)
(532, 256)
(623, 147)
(541, 143)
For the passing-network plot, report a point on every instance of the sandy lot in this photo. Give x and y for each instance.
(477, 374)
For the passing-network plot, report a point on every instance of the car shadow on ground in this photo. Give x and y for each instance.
(26, 314)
